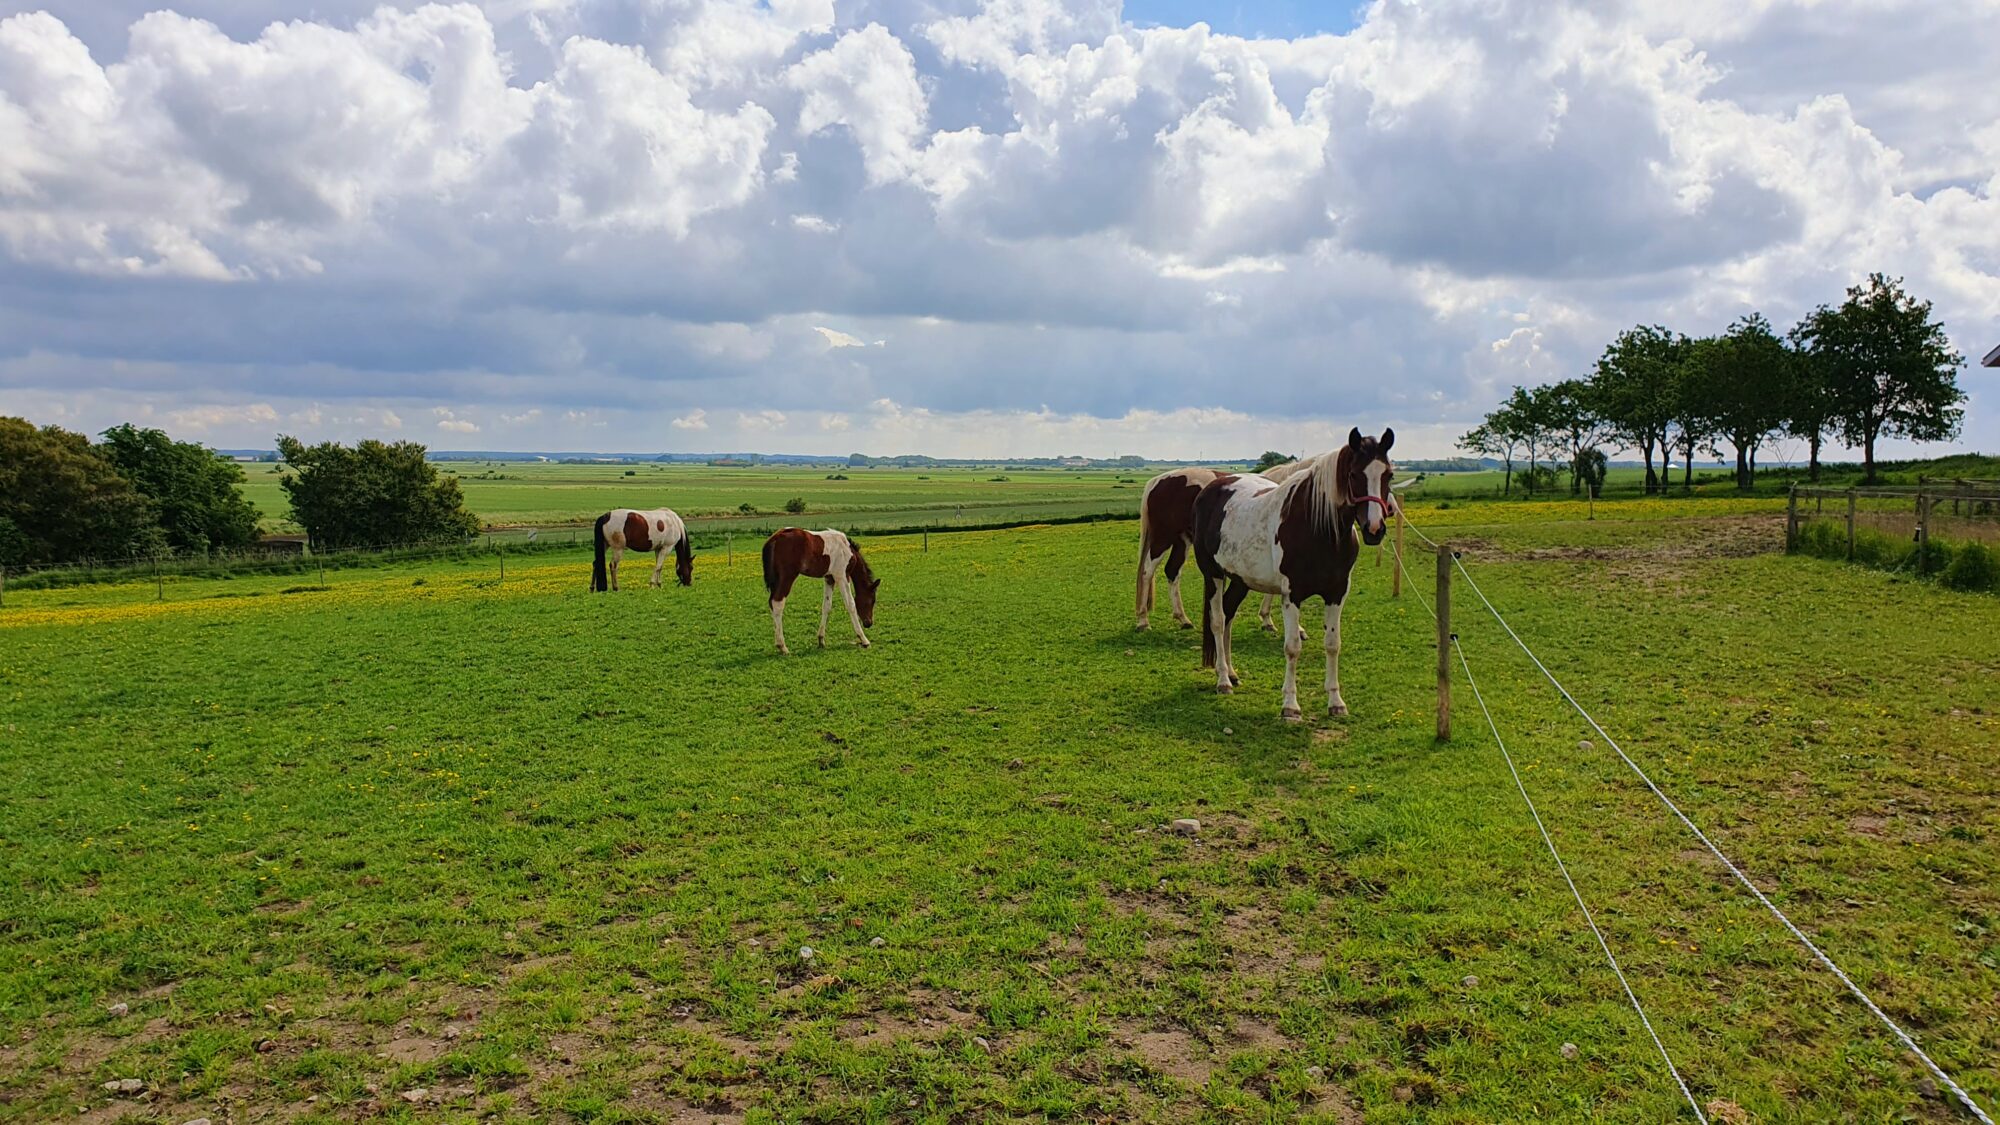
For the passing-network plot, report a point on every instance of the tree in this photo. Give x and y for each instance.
(1634, 385)
(197, 494)
(1533, 416)
(1890, 369)
(1272, 459)
(372, 494)
(1570, 411)
(61, 500)
(1809, 394)
(1690, 419)
(1742, 379)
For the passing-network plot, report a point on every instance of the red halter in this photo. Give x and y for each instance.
(1387, 511)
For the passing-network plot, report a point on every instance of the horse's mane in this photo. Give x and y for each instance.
(1325, 475)
(862, 575)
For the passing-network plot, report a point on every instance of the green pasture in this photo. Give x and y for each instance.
(513, 492)
(425, 845)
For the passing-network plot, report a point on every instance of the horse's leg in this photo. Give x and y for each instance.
(1217, 620)
(1334, 704)
(1232, 600)
(853, 615)
(1264, 614)
(1293, 647)
(1176, 559)
(1143, 602)
(659, 563)
(825, 609)
(779, 593)
(617, 553)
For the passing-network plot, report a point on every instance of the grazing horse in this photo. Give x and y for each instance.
(1295, 540)
(622, 529)
(1166, 527)
(831, 555)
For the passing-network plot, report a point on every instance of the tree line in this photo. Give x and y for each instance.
(1876, 365)
(138, 492)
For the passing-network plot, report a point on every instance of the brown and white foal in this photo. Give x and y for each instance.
(1295, 539)
(623, 529)
(795, 552)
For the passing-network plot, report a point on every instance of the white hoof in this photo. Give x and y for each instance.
(1224, 689)
(1292, 715)
(865, 643)
(1337, 710)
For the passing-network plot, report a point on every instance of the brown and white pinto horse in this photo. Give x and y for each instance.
(793, 552)
(1294, 539)
(1166, 528)
(623, 529)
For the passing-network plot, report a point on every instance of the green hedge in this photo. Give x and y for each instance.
(1962, 566)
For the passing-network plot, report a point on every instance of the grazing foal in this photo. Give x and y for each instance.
(793, 552)
(623, 529)
(1295, 540)
(1166, 527)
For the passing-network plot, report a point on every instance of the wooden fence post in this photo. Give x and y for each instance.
(1444, 557)
(1396, 576)
(3, 585)
(1850, 524)
(1792, 519)
(1923, 534)
(159, 587)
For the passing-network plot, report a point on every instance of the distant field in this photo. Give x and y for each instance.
(532, 493)
(524, 854)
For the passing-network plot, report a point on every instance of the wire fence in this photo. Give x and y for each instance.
(1457, 564)
(705, 534)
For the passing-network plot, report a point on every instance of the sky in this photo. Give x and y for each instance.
(958, 227)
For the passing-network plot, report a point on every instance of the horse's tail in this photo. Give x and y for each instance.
(684, 559)
(598, 579)
(1144, 597)
(1207, 620)
(770, 568)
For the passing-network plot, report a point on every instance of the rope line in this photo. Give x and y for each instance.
(1937, 1071)
(1574, 893)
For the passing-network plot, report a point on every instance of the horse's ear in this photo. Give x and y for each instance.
(1388, 439)
(1354, 438)
(875, 585)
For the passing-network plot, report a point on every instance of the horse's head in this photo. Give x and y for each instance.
(684, 560)
(1367, 472)
(865, 584)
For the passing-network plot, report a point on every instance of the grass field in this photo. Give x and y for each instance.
(528, 493)
(544, 855)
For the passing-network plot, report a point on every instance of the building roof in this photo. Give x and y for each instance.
(1992, 358)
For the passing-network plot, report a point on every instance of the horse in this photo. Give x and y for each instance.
(792, 552)
(623, 529)
(1294, 539)
(1166, 527)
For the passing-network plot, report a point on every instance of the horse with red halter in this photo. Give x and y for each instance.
(1295, 539)
(1166, 528)
(794, 552)
(623, 529)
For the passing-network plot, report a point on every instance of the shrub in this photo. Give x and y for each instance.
(1972, 567)
(795, 505)
(631, 472)
(747, 508)
(1929, 558)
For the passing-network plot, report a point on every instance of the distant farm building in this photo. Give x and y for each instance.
(1992, 358)
(283, 544)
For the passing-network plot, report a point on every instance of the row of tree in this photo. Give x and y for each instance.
(138, 492)
(1877, 365)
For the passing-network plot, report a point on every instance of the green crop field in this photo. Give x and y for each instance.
(426, 845)
(527, 493)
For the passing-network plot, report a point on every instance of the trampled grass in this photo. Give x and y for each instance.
(545, 855)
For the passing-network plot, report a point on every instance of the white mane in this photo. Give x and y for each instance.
(1329, 491)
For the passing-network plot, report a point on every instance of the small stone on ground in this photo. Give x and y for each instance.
(1187, 826)
(1569, 1050)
